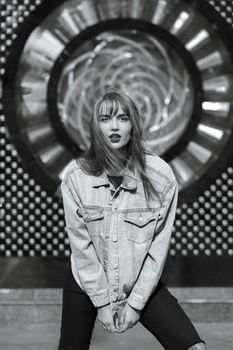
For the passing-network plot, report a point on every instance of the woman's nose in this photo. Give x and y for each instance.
(114, 124)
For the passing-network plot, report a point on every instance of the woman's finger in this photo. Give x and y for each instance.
(122, 319)
(125, 326)
(116, 321)
(108, 329)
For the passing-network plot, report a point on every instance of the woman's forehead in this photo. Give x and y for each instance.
(111, 107)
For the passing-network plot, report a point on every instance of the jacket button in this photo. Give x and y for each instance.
(114, 239)
(140, 218)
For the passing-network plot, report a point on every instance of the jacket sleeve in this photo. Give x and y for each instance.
(154, 261)
(88, 267)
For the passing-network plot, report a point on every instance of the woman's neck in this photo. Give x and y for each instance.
(124, 150)
(112, 172)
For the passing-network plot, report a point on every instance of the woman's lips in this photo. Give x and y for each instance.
(115, 138)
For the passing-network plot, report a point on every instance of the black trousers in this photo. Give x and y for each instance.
(162, 316)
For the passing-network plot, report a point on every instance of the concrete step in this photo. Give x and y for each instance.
(40, 306)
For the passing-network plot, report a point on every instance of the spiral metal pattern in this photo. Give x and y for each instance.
(143, 67)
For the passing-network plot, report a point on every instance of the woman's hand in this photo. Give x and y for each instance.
(106, 318)
(129, 317)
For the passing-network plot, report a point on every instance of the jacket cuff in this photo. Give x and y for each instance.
(136, 301)
(100, 299)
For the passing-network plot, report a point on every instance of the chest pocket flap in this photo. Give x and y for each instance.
(92, 215)
(140, 218)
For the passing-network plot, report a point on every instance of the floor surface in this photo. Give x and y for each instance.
(218, 336)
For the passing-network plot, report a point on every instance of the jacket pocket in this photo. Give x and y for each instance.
(94, 220)
(140, 226)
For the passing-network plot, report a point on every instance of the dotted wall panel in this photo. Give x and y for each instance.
(32, 221)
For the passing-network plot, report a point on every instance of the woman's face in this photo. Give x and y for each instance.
(116, 128)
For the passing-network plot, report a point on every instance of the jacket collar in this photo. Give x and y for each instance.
(129, 181)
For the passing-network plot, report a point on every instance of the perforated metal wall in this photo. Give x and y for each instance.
(32, 222)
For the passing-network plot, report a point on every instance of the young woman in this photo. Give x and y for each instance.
(120, 202)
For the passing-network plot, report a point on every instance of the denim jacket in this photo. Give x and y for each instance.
(119, 244)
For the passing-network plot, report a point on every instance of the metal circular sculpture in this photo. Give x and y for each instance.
(169, 56)
(145, 68)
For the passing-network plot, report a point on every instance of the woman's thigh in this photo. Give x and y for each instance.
(78, 316)
(167, 321)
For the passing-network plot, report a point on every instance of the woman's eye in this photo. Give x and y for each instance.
(103, 119)
(125, 118)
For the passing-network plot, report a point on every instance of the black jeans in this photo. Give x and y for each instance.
(162, 316)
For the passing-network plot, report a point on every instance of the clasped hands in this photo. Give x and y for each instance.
(115, 323)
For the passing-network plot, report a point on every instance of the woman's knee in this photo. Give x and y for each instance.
(198, 346)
